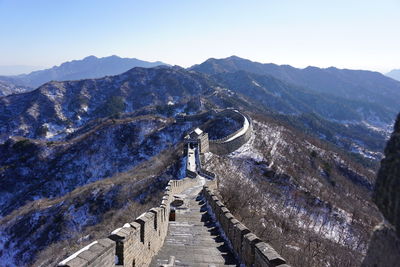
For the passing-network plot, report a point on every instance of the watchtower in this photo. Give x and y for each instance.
(198, 138)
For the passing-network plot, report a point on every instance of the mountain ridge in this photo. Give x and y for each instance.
(89, 67)
(351, 84)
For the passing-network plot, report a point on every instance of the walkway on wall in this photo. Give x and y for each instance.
(242, 131)
(192, 239)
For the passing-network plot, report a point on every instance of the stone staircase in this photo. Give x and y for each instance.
(191, 227)
(193, 239)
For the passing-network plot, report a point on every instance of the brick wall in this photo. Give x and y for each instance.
(250, 249)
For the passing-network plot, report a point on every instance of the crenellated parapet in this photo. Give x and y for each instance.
(136, 242)
(251, 250)
(234, 140)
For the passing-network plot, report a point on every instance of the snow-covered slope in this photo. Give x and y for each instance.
(58, 108)
(33, 169)
(8, 88)
(299, 194)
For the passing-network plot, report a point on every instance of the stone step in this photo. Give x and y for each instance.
(192, 239)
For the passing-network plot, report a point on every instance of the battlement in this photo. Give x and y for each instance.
(247, 246)
(234, 140)
(136, 242)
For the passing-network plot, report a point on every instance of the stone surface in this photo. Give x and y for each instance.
(384, 248)
(387, 186)
(193, 239)
(265, 255)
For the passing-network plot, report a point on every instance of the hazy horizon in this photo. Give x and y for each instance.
(10, 70)
(344, 34)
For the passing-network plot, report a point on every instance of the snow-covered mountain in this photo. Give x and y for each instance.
(76, 155)
(58, 108)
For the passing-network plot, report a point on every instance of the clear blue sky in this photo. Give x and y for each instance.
(347, 34)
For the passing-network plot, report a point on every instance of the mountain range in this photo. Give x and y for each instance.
(367, 86)
(76, 155)
(89, 67)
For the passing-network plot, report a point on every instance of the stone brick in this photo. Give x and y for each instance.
(214, 202)
(146, 221)
(248, 248)
(240, 231)
(218, 208)
(125, 240)
(220, 212)
(265, 255)
(231, 229)
(226, 221)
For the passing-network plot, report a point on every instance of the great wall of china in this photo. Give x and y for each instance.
(191, 227)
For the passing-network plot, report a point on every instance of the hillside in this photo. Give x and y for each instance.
(349, 124)
(8, 88)
(308, 200)
(58, 108)
(88, 68)
(58, 226)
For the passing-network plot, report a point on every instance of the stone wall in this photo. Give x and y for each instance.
(136, 242)
(222, 146)
(247, 246)
(234, 115)
(195, 117)
(203, 172)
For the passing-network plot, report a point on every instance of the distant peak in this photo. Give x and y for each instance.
(90, 57)
(114, 56)
(235, 57)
